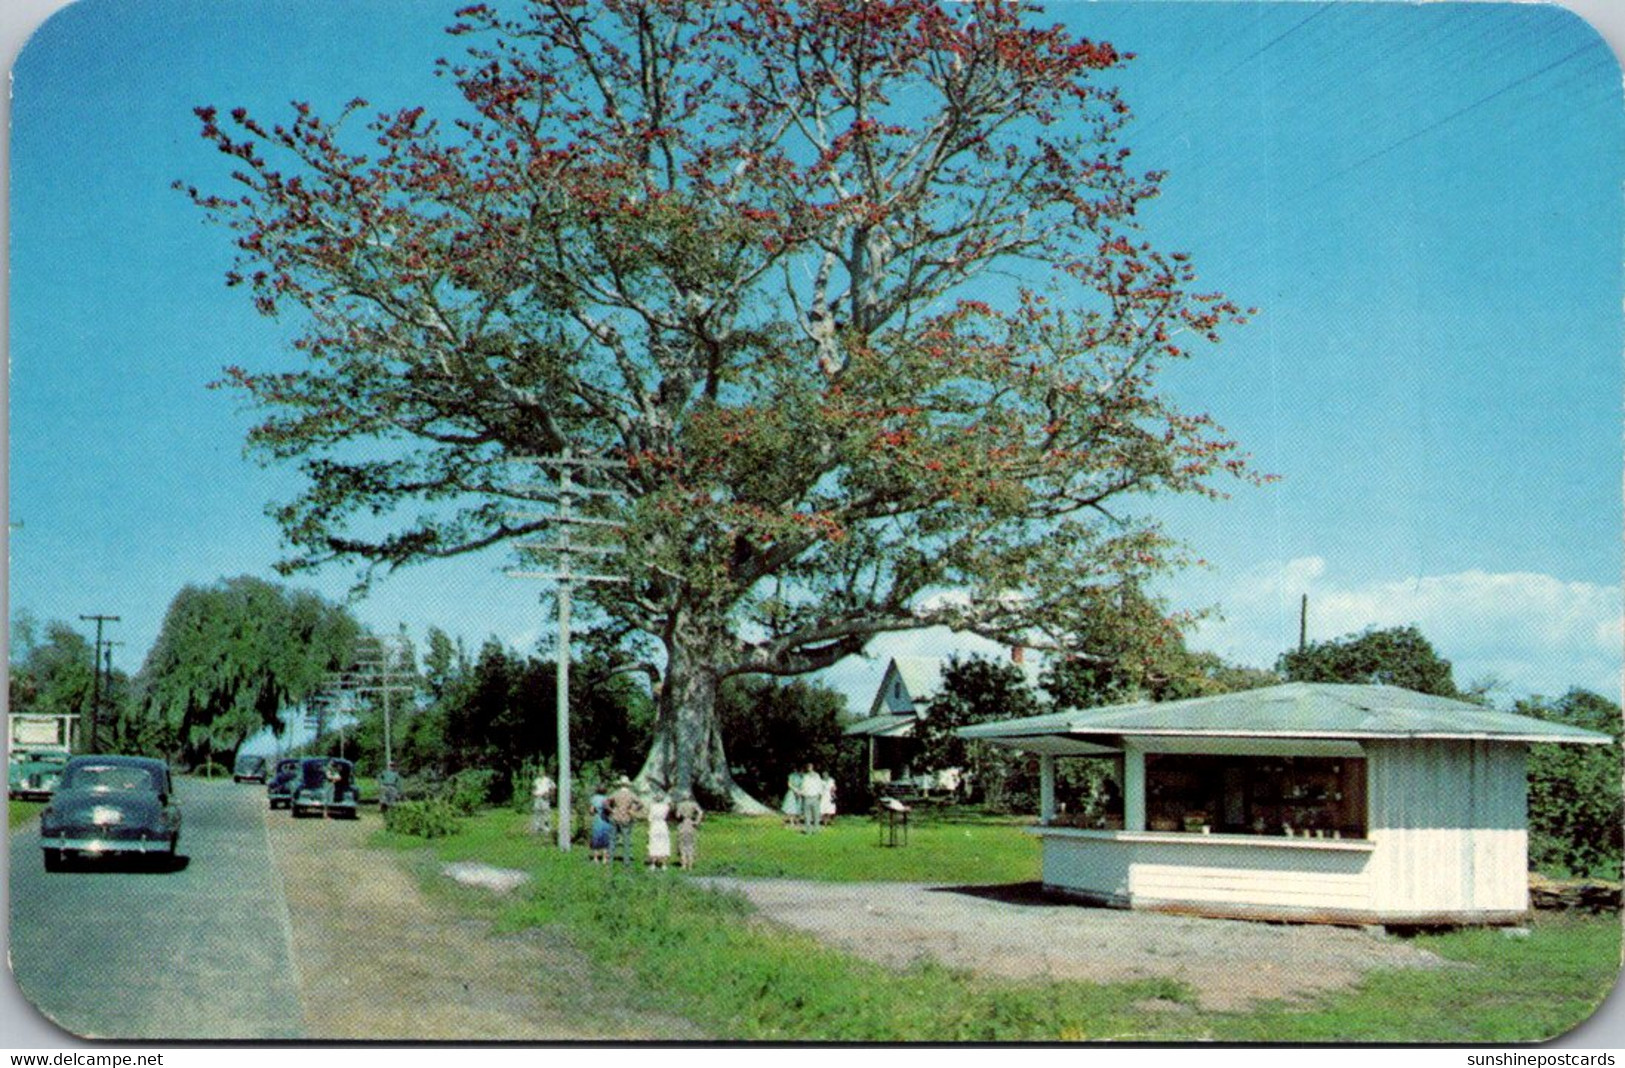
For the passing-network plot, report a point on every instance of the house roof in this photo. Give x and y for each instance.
(882, 726)
(922, 675)
(1293, 710)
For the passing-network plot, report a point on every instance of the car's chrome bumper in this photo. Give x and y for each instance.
(107, 845)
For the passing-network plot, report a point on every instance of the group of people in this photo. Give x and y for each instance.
(809, 801)
(614, 815)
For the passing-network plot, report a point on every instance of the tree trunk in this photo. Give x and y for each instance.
(686, 752)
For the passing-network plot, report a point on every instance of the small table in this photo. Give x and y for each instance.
(893, 824)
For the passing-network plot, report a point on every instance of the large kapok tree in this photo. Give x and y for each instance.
(854, 289)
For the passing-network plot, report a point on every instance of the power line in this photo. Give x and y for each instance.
(1320, 10)
(379, 668)
(1452, 117)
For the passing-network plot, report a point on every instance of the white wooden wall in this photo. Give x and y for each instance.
(1450, 823)
(1225, 874)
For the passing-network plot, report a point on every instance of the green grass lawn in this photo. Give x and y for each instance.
(941, 848)
(1516, 990)
(704, 956)
(20, 812)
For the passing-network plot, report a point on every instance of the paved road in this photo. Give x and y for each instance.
(200, 952)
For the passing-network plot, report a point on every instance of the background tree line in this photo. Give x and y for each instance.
(243, 655)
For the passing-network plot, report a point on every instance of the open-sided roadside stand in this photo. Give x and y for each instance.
(1306, 801)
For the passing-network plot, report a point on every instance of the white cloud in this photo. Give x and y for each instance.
(1536, 633)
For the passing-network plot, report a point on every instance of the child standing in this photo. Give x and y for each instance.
(689, 815)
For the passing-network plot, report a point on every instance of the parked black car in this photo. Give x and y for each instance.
(110, 805)
(279, 787)
(326, 786)
(249, 769)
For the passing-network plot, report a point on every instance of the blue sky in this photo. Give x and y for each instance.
(1422, 201)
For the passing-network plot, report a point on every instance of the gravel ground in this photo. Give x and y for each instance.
(1016, 932)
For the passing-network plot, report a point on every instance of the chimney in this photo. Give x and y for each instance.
(1018, 654)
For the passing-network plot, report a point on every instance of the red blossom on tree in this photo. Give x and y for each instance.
(747, 249)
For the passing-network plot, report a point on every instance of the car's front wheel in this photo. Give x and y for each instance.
(55, 860)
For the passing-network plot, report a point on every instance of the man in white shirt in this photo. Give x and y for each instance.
(812, 799)
(541, 804)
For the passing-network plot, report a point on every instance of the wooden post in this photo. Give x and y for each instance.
(1133, 789)
(561, 696)
(1046, 789)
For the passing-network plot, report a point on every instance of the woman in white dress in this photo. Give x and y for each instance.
(659, 831)
(826, 804)
(791, 807)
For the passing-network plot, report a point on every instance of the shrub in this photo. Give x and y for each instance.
(424, 819)
(1576, 806)
(469, 790)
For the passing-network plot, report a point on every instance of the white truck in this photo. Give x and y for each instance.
(37, 748)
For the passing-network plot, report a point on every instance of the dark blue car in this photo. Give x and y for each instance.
(110, 806)
(326, 787)
(250, 769)
(279, 787)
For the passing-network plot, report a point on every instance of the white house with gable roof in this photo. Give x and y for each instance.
(904, 697)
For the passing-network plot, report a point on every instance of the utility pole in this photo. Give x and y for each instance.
(379, 669)
(96, 679)
(1303, 623)
(566, 577)
(107, 656)
(316, 709)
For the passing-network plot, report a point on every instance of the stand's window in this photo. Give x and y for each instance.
(1305, 797)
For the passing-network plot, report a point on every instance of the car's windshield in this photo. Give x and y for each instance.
(112, 778)
(250, 763)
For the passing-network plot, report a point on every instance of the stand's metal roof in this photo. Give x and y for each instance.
(1294, 710)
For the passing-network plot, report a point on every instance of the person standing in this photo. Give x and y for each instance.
(812, 799)
(603, 831)
(332, 779)
(689, 815)
(826, 804)
(541, 803)
(389, 788)
(791, 808)
(624, 809)
(659, 832)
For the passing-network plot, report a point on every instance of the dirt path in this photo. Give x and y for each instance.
(377, 959)
(1016, 933)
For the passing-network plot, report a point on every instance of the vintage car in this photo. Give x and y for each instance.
(109, 806)
(32, 774)
(249, 769)
(326, 787)
(279, 787)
